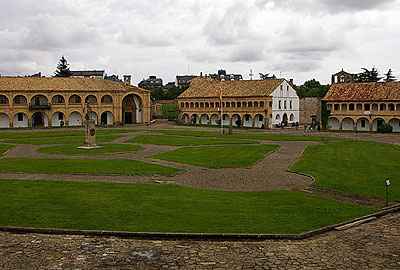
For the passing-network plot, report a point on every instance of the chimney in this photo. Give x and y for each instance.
(127, 79)
(291, 83)
(201, 74)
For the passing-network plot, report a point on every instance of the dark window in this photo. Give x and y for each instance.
(363, 123)
(217, 104)
(212, 104)
(367, 107)
(106, 99)
(344, 107)
(383, 107)
(359, 107)
(20, 100)
(391, 107)
(191, 105)
(247, 117)
(239, 104)
(244, 105)
(233, 104)
(182, 104)
(262, 105)
(250, 104)
(270, 103)
(201, 105)
(60, 116)
(351, 107)
(207, 105)
(196, 104)
(337, 107)
(3, 99)
(20, 117)
(228, 104)
(187, 104)
(255, 104)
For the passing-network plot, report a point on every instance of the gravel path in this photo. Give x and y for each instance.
(373, 245)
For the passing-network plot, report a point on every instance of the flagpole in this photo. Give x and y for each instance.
(222, 114)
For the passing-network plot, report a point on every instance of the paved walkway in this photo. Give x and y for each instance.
(373, 245)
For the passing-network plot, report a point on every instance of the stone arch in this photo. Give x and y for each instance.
(57, 119)
(195, 119)
(20, 120)
(236, 120)
(247, 120)
(58, 99)
(75, 99)
(333, 123)
(132, 109)
(39, 100)
(226, 120)
(185, 119)
(75, 119)
(4, 100)
(107, 118)
(376, 123)
(20, 100)
(40, 119)
(363, 124)
(347, 124)
(258, 120)
(395, 123)
(204, 119)
(91, 99)
(4, 120)
(106, 99)
(95, 117)
(214, 119)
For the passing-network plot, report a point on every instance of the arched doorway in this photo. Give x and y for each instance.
(186, 119)
(132, 109)
(285, 119)
(363, 124)
(247, 120)
(20, 120)
(75, 119)
(236, 120)
(259, 121)
(107, 118)
(377, 123)
(58, 119)
(395, 123)
(333, 123)
(204, 120)
(348, 124)
(214, 119)
(39, 119)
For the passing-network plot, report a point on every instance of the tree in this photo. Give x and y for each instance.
(312, 88)
(173, 92)
(266, 76)
(368, 75)
(157, 94)
(63, 68)
(389, 77)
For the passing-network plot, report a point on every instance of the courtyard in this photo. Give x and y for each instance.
(176, 179)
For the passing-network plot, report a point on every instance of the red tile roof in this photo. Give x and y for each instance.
(389, 91)
(207, 87)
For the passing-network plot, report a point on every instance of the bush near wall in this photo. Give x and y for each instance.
(170, 110)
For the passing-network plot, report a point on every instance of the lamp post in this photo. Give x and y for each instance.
(387, 191)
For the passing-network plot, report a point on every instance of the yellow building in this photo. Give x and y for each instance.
(47, 102)
(363, 106)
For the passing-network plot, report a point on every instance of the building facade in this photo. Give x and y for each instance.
(151, 82)
(363, 106)
(54, 102)
(343, 77)
(257, 103)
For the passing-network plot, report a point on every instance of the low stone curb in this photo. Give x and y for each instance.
(199, 236)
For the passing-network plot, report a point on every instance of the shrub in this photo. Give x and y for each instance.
(385, 128)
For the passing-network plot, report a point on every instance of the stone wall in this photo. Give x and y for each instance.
(309, 106)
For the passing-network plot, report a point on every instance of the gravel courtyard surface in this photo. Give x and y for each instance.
(370, 246)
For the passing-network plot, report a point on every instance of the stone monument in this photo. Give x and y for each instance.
(90, 130)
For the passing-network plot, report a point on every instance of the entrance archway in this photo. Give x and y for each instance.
(348, 124)
(214, 119)
(107, 118)
(377, 123)
(4, 121)
(285, 119)
(132, 109)
(236, 120)
(39, 119)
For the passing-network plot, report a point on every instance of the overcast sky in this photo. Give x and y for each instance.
(293, 39)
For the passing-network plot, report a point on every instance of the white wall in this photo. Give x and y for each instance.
(287, 94)
(138, 111)
(75, 119)
(4, 121)
(55, 122)
(214, 119)
(20, 124)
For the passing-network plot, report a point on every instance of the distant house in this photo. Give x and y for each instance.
(168, 86)
(184, 80)
(363, 106)
(151, 82)
(251, 103)
(98, 74)
(343, 77)
(222, 76)
(114, 78)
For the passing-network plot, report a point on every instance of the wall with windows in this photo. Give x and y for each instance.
(285, 105)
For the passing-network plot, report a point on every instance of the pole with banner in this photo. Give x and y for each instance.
(221, 110)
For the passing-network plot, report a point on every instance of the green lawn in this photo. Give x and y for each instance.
(83, 166)
(165, 208)
(218, 156)
(354, 167)
(63, 140)
(4, 148)
(249, 136)
(73, 149)
(170, 110)
(184, 140)
(56, 133)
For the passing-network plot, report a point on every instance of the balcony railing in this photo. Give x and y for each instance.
(39, 107)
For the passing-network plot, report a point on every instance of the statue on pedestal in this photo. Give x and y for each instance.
(90, 130)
